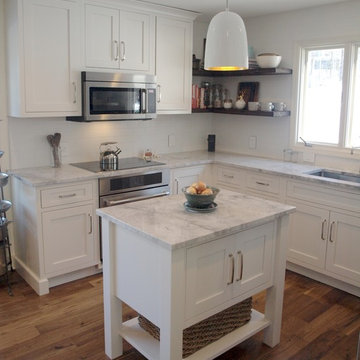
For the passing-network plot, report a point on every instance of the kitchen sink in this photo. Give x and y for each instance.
(338, 175)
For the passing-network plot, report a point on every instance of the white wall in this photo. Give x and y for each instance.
(275, 33)
(279, 33)
(80, 141)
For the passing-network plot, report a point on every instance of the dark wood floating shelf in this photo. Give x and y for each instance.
(258, 71)
(244, 112)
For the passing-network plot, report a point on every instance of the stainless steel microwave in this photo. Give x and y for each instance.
(117, 96)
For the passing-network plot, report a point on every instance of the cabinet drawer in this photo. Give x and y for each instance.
(263, 183)
(230, 176)
(323, 195)
(66, 195)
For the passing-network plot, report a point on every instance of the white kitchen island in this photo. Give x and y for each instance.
(177, 268)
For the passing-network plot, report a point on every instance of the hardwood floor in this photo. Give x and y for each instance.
(319, 322)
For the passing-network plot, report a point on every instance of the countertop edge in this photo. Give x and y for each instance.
(201, 239)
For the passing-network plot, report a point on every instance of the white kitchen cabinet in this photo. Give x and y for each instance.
(254, 183)
(119, 39)
(173, 65)
(325, 238)
(343, 249)
(183, 177)
(231, 267)
(68, 239)
(230, 178)
(43, 49)
(267, 186)
(308, 232)
(58, 241)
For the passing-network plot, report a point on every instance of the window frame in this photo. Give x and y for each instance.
(343, 147)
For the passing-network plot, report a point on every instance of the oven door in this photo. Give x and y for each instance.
(138, 195)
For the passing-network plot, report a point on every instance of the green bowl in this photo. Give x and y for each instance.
(200, 201)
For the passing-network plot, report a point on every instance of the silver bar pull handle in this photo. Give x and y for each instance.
(231, 270)
(143, 100)
(74, 87)
(240, 265)
(262, 183)
(323, 230)
(123, 49)
(125, 201)
(158, 92)
(91, 225)
(67, 196)
(332, 227)
(228, 176)
(116, 50)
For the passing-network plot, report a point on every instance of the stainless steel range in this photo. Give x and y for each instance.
(141, 184)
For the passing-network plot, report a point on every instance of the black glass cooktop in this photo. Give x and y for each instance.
(123, 164)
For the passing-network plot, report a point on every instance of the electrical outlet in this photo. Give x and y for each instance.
(171, 140)
(252, 142)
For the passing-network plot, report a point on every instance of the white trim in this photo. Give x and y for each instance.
(342, 150)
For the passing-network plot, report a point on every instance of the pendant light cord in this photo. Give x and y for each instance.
(227, 5)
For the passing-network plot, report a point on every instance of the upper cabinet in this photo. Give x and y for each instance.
(119, 40)
(173, 65)
(49, 43)
(43, 54)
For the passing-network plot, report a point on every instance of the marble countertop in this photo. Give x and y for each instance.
(235, 212)
(46, 175)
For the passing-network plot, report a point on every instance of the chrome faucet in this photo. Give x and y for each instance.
(305, 142)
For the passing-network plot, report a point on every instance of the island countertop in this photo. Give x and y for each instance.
(165, 221)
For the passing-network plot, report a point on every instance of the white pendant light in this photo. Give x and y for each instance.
(226, 42)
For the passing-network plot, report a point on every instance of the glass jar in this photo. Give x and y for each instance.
(217, 96)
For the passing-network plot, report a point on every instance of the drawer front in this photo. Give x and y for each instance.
(230, 176)
(66, 195)
(324, 195)
(263, 183)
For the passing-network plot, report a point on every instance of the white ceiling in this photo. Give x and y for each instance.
(245, 8)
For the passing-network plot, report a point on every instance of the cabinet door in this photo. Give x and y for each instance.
(135, 42)
(173, 65)
(68, 239)
(253, 259)
(185, 177)
(343, 251)
(308, 236)
(208, 272)
(102, 44)
(51, 56)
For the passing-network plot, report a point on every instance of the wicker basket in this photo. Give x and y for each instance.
(209, 330)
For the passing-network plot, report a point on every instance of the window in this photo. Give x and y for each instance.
(329, 101)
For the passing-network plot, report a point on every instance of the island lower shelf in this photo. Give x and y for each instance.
(150, 347)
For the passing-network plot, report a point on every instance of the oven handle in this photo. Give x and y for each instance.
(125, 201)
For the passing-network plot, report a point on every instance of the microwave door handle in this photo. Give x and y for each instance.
(144, 102)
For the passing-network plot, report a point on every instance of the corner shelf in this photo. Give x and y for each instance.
(249, 72)
(244, 112)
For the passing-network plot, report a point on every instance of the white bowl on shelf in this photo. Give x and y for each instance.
(268, 60)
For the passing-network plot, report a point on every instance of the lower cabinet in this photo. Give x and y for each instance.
(221, 270)
(56, 232)
(69, 239)
(325, 240)
(183, 177)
